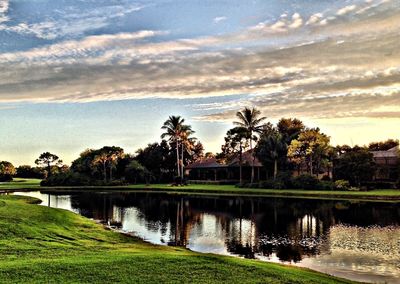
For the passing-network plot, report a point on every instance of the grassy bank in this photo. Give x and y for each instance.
(40, 244)
(384, 194)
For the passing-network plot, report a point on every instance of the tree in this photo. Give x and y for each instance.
(290, 128)
(7, 171)
(250, 120)
(309, 149)
(173, 128)
(48, 160)
(236, 142)
(355, 166)
(26, 171)
(271, 148)
(101, 158)
(135, 171)
(158, 158)
(187, 145)
(384, 145)
(100, 163)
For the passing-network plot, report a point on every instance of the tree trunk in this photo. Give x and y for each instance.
(311, 166)
(182, 173)
(48, 170)
(177, 156)
(105, 171)
(252, 161)
(240, 166)
(275, 168)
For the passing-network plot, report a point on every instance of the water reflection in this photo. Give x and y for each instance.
(357, 240)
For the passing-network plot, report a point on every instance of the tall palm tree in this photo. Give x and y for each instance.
(250, 120)
(173, 128)
(273, 146)
(187, 143)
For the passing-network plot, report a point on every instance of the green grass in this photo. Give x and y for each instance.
(45, 245)
(19, 183)
(382, 194)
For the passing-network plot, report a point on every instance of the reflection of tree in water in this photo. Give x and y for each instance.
(289, 228)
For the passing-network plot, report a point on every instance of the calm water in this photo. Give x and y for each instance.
(356, 240)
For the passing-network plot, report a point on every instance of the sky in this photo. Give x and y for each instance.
(78, 74)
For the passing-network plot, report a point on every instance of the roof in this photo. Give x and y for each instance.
(212, 163)
(247, 159)
(205, 163)
(391, 153)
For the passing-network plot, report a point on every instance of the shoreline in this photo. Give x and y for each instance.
(380, 195)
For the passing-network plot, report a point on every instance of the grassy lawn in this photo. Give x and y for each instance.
(19, 183)
(41, 244)
(382, 194)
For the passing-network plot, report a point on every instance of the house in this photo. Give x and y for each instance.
(387, 164)
(211, 169)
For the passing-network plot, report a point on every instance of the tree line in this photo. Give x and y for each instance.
(284, 148)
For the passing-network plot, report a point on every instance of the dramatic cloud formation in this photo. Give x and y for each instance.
(326, 62)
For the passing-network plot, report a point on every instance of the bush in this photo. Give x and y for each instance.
(66, 179)
(380, 185)
(5, 178)
(326, 178)
(325, 185)
(342, 184)
(307, 182)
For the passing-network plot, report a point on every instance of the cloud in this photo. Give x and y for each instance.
(219, 19)
(3, 10)
(346, 10)
(329, 67)
(70, 23)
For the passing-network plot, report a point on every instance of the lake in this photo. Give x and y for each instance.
(352, 239)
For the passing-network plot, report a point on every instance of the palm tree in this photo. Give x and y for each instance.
(273, 146)
(187, 143)
(173, 128)
(250, 120)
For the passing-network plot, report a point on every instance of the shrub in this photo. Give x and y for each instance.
(308, 182)
(353, 188)
(5, 178)
(326, 178)
(380, 185)
(342, 184)
(66, 179)
(271, 184)
(325, 185)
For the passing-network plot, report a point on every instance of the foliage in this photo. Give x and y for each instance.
(178, 134)
(7, 171)
(271, 150)
(158, 159)
(305, 181)
(250, 120)
(48, 160)
(135, 172)
(67, 179)
(341, 184)
(290, 128)
(26, 171)
(99, 164)
(355, 166)
(310, 150)
(384, 145)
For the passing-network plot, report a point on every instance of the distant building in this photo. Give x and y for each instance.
(212, 170)
(387, 164)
